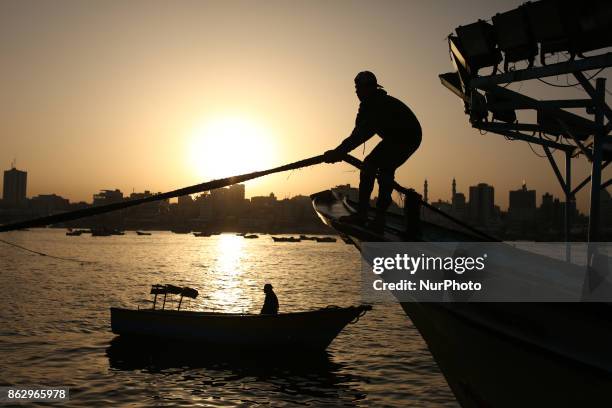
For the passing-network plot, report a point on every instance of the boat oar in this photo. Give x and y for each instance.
(198, 188)
(353, 161)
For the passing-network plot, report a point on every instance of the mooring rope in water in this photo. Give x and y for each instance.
(60, 258)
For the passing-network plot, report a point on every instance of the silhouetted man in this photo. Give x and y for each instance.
(400, 131)
(271, 303)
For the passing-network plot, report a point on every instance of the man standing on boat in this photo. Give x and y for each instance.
(271, 303)
(400, 130)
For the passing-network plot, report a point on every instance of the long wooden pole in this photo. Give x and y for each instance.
(198, 188)
(211, 185)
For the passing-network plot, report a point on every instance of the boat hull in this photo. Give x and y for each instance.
(490, 360)
(505, 354)
(313, 330)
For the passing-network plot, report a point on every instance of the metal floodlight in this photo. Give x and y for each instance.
(595, 25)
(457, 54)
(499, 113)
(452, 81)
(460, 63)
(549, 27)
(476, 46)
(514, 36)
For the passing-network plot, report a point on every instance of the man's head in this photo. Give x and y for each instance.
(267, 288)
(366, 84)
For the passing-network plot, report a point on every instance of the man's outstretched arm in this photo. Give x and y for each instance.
(358, 136)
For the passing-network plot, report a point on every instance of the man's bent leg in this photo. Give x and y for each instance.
(386, 178)
(366, 185)
(395, 156)
(371, 164)
(385, 188)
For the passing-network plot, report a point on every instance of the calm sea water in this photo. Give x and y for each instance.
(55, 324)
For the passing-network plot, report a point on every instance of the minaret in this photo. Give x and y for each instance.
(425, 198)
(454, 190)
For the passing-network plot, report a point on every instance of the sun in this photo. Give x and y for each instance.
(228, 146)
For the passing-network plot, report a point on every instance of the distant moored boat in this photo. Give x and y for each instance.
(325, 239)
(307, 238)
(286, 239)
(100, 232)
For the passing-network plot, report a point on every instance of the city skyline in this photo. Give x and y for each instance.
(228, 209)
(101, 193)
(157, 95)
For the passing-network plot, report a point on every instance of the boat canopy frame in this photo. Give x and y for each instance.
(167, 289)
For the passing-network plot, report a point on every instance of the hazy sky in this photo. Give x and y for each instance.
(162, 94)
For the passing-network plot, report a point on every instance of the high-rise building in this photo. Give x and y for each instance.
(236, 194)
(482, 203)
(14, 189)
(107, 197)
(264, 201)
(185, 201)
(236, 199)
(545, 213)
(459, 205)
(147, 210)
(522, 199)
(547, 201)
(522, 208)
(49, 203)
(459, 208)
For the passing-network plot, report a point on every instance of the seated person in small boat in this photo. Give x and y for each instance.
(271, 303)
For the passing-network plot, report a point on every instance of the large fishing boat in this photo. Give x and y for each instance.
(500, 354)
(511, 354)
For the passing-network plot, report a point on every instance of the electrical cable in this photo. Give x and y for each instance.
(571, 85)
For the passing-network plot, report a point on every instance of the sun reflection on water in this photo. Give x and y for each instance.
(73, 334)
(226, 283)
